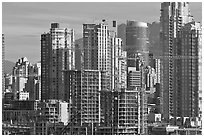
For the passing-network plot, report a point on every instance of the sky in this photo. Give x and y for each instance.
(24, 22)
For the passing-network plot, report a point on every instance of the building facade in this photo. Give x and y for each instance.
(130, 112)
(78, 53)
(83, 92)
(21, 72)
(57, 55)
(190, 73)
(8, 82)
(119, 65)
(173, 16)
(23, 96)
(136, 42)
(55, 111)
(97, 48)
(20, 112)
(154, 39)
(3, 60)
(126, 113)
(121, 33)
(33, 85)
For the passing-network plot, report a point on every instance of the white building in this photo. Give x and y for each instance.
(23, 96)
(56, 111)
(63, 112)
(8, 82)
(119, 65)
(21, 72)
(38, 69)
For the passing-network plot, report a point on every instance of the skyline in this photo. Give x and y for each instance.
(133, 69)
(24, 22)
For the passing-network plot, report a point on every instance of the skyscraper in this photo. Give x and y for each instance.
(97, 48)
(3, 60)
(137, 60)
(21, 71)
(57, 55)
(33, 85)
(187, 97)
(173, 16)
(136, 41)
(46, 49)
(121, 33)
(78, 53)
(119, 65)
(154, 39)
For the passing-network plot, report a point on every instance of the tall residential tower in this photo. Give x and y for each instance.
(173, 16)
(189, 84)
(57, 56)
(3, 60)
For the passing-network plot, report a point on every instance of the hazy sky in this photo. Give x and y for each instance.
(23, 23)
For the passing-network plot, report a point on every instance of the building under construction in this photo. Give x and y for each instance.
(130, 118)
(83, 93)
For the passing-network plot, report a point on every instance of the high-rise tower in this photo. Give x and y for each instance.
(189, 77)
(121, 33)
(154, 39)
(173, 16)
(57, 55)
(21, 71)
(3, 60)
(119, 65)
(136, 41)
(97, 48)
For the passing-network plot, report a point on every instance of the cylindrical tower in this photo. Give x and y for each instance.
(136, 41)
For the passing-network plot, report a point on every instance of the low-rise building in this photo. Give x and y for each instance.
(130, 112)
(175, 130)
(152, 118)
(23, 95)
(55, 111)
